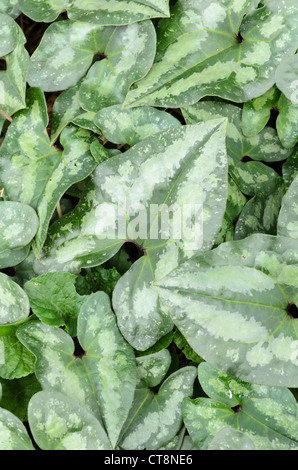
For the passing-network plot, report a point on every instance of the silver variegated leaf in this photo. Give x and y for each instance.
(68, 48)
(266, 417)
(227, 49)
(142, 196)
(103, 12)
(102, 378)
(128, 56)
(236, 306)
(58, 422)
(13, 433)
(18, 226)
(35, 172)
(130, 126)
(155, 419)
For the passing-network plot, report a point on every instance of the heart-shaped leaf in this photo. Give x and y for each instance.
(267, 416)
(236, 306)
(224, 49)
(65, 44)
(103, 12)
(102, 376)
(128, 53)
(191, 173)
(257, 112)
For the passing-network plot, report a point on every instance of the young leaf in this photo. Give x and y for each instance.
(67, 109)
(15, 359)
(224, 49)
(54, 300)
(265, 415)
(152, 368)
(57, 422)
(235, 305)
(256, 113)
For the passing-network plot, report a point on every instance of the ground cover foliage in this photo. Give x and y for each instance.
(115, 333)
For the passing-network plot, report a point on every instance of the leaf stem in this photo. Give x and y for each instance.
(4, 114)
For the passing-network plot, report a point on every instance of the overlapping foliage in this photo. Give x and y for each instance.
(113, 336)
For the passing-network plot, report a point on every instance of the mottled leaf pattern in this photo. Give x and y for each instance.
(155, 419)
(59, 423)
(14, 303)
(103, 378)
(148, 226)
(103, 12)
(11, 7)
(128, 56)
(266, 416)
(68, 48)
(206, 49)
(130, 126)
(18, 226)
(13, 433)
(245, 157)
(231, 304)
(93, 233)
(34, 171)
(13, 79)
